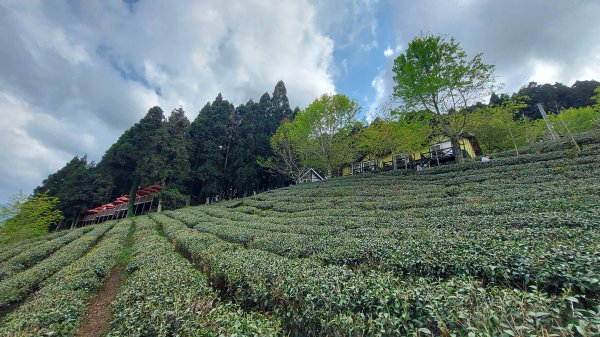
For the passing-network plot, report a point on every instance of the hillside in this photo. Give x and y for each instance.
(507, 248)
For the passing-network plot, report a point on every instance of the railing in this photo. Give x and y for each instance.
(120, 211)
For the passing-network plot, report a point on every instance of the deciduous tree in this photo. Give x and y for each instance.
(34, 217)
(435, 74)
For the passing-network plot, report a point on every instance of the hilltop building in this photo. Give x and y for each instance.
(440, 151)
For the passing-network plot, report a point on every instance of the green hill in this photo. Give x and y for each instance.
(507, 248)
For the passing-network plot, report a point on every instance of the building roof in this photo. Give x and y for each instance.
(314, 172)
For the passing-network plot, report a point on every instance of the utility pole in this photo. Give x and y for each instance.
(553, 134)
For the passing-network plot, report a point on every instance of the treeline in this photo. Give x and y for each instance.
(325, 136)
(554, 97)
(212, 158)
(229, 151)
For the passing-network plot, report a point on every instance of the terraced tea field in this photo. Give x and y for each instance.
(507, 248)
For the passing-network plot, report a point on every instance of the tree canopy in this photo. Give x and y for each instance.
(435, 74)
(34, 217)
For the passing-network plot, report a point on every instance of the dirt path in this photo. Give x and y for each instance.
(97, 316)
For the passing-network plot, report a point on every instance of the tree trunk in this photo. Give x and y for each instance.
(76, 221)
(159, 207)
(131, 201)
(188, 200)
(512, 137)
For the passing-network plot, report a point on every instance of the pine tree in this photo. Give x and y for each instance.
(135, 157)
(210, 143)
(175, 175)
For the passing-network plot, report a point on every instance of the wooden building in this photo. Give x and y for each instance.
(143, 203)
(440, 151)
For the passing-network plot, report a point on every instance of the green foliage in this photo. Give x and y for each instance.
(575, 120)
(175, 174)
(328, 122)
(291, 153)
(557, 95)
(596, 97)
(58, 307)
(78, 186)
(137, 157)
(17, 286)
(11, 209)
(434, 74)
(165, 296)
(34, 218)
(393, 134)
(37, 253)
(504, 248)
(318, 137)
(496, 127)
(313, 299)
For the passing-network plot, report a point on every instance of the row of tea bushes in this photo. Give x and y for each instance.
(312, 299)
(37, 253)
(17, 286)
(165, 296)
(552, 258)
(10, 250)
(58, 307)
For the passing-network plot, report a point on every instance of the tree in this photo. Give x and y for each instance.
(11, 209)
(291, 153)
(496, 127)
(395, 132)
(175, 173)
(434, 74)
(575, 120)
(556, 96)
(136, 158)
(76, 186)
(210, 135)
(34, 217)
(327, 122)
(596, 97)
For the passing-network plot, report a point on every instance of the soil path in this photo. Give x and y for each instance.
(97, 316)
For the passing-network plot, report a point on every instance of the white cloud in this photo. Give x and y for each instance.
(79, 73)
(544, 71)
(382, 84)
(388, 52)
(24, 158)
(557, 42)
(349, 22)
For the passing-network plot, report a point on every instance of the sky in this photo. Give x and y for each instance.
(75, 74)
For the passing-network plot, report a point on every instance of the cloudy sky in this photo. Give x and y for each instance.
(75, 74)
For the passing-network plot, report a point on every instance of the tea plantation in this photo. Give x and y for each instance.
(507, 248)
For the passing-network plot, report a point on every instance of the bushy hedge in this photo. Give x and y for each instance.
(58, 307)
(312, 299)
(38, 252)
(9, 250)
(17, 286)
(165, 296)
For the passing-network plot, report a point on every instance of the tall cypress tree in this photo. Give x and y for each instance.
(136, 156)
(176, 152)
(209, 136)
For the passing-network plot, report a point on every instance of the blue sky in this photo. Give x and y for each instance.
(75, 74)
